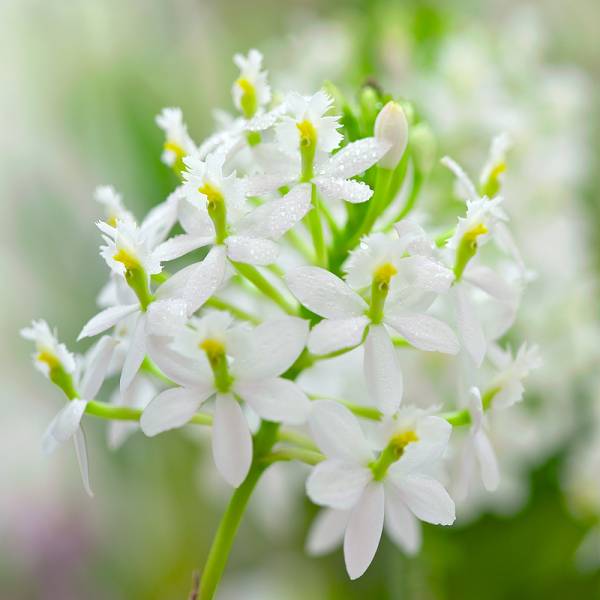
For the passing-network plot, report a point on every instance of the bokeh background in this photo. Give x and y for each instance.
(80, 84)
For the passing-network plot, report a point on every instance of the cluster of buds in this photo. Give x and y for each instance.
(302, 243)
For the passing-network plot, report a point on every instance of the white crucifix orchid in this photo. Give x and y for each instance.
(79, 378)
(365, 492)
(251, 91)
(178, 143)
(211, 358)
(113, 205)
(477, 449)
(402, 288)
(216, 213)
(129, 254)
(306, 140)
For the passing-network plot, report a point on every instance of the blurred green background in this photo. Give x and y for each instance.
(80, 84)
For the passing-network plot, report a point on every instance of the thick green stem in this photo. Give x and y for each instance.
(239, 313)
(223, 540)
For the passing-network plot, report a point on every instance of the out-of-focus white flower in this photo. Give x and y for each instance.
(112, 201)
(391, 128)
(49, 352)
(477, 449)
(508, 382)
(251, 91)
(80, 383)
(127, 248)
(178, 143)
(347, 316)
(361, 488)
(212, 359)
(490, 180)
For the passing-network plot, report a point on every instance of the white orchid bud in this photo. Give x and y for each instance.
(391, 127)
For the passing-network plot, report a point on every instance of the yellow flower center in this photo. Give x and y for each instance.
(48, 357)
(214, 348)
(401, 440)
(475, 232)
(308, 133)
(384, 273)
(130, 262)
(212, 193)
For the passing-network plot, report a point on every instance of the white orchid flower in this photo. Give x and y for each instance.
(477, 449)
(178, 143)
(411, 282)
(79, 378)
(363, 491)
(212, 359)
(216, 213)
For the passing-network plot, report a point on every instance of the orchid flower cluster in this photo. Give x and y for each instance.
(298, 246)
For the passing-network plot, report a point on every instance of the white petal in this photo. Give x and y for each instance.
(324, 293)
(337, 483)
(106, 319)
(82, 460)
(231, 440)
(172, 408)
(338, 434)
(425, 274)
(181, 244)
(270, 349)
(401, 525)
(424, 332)
(426, 498)
(198, 282)
(382, 370)
(332, 189)
(64, 425)
(488, 464)
(355, 158)
(364, 530)
(254, 251)
(331, 335)
(279, 400)
(257, 185)
(97, 366)
(510, 394)
(491, 283)
(180, 369)
(135, 353)
(326, 531)
(468, 189)
(166, 317)
(273, 219)
(469, 327)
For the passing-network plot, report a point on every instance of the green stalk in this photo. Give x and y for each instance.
(215, 302)
(313, 221)
(223, 540)
(254, 276)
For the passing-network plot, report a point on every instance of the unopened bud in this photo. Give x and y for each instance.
(391, 127)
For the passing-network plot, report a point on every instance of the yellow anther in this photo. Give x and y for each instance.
(131, 262)
(497, 170)
(401, 440)
(246, 86)
(308, 133)
(384, 273)
(175, 149)
(214, 348)
(112, 221)
(475, 232)
(49, 358)
(212, 193)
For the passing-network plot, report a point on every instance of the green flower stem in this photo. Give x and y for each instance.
(309, 457)
(237, 312)
(457, 418)
(223, 540)
(367, 412)
(111, 412)
(149, 366)
(293, 437)
(254, 276)
(313, 221)
(441, 239)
